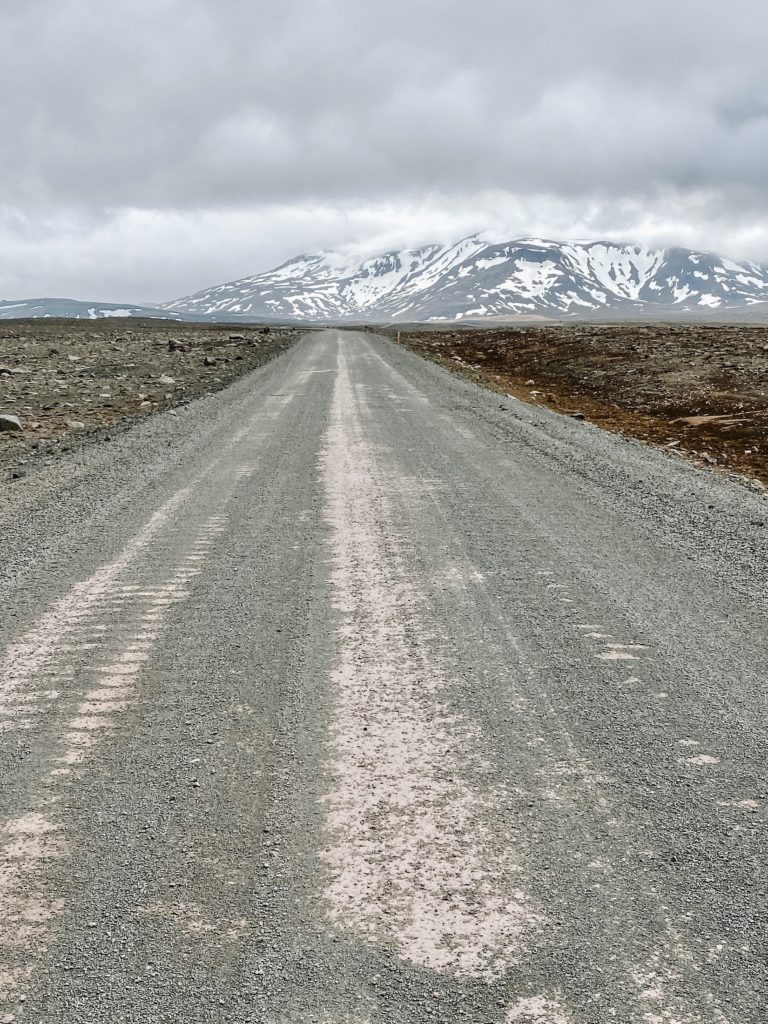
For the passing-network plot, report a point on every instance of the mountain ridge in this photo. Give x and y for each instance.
(78, 309)
(473, 278)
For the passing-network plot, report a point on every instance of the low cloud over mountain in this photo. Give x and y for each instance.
(474, 278)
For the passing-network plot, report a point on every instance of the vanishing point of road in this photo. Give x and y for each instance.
(355, 694)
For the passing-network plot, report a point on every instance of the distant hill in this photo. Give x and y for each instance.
(74, 309)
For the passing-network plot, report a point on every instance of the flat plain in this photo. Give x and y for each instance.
(698, 389)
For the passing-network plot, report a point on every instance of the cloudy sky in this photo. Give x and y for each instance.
(154, 147)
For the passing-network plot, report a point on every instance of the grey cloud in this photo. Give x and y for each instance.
(177, 103)
(192, 106)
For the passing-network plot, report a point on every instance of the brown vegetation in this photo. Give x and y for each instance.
(698, 390)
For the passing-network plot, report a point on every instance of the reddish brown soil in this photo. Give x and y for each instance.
(697, 389)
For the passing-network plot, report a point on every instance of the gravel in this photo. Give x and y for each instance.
(596, 613)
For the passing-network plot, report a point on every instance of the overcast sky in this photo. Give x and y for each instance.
(153, 147)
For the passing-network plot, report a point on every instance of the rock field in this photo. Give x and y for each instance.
(64, 383)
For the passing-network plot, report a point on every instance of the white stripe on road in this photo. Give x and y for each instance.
(412, 862)
(537, 1010)
(28, 656)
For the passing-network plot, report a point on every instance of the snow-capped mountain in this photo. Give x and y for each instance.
(475, 278)
(472, 279)
(74, 309)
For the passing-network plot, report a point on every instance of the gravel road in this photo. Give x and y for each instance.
(355, 694)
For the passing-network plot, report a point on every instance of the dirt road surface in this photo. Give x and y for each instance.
(357, 694)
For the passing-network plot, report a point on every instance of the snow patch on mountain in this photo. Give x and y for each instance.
(477, 277)
(73, 309)
(472, 278)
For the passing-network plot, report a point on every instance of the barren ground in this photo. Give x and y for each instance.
(70, 381)
(698, 390)
(358, 694)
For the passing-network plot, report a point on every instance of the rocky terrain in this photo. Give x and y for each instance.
(700, 391)
(66, 382)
